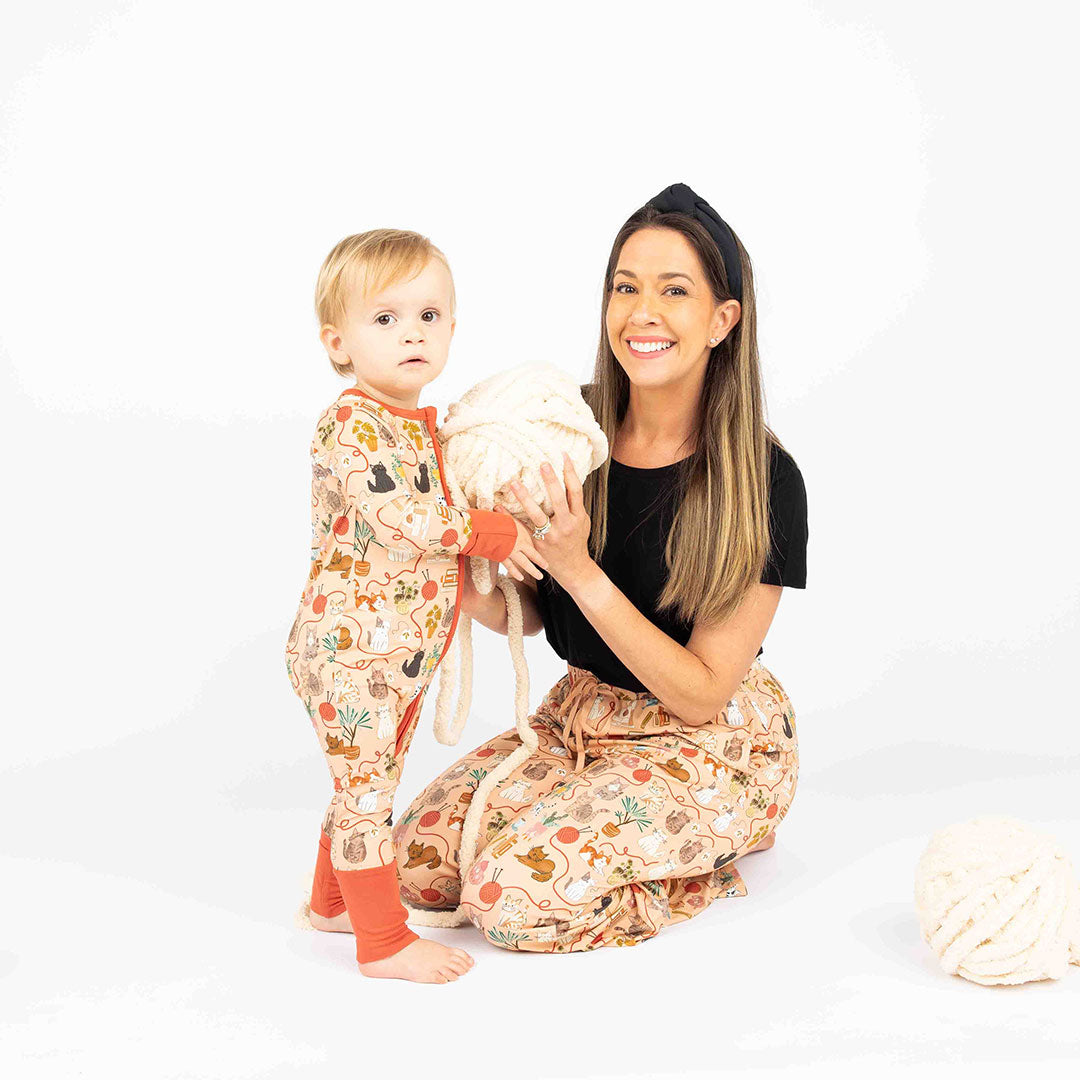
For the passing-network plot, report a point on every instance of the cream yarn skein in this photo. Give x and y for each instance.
(503, 430)
(997, 902)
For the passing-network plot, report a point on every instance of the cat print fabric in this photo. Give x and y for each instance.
(642, 835)
(380, 604)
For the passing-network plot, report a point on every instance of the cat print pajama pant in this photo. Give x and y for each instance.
(623, 821)
(378, 611)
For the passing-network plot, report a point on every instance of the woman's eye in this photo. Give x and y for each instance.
(618, 288)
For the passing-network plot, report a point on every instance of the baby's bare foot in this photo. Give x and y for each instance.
(421, 961)
(337, 922)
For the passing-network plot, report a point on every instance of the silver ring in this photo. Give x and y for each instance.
(538, 534)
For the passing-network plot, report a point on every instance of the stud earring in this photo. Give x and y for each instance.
(713, 340)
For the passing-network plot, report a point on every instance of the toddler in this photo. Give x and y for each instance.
(382, 597)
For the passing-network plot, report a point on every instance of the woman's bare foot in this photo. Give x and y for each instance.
(764, 844)
(421, 961)
(337, 922)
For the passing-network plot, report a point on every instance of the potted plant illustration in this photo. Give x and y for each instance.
(630, 814)
(350, 722)
(404, 595)
(363, 534)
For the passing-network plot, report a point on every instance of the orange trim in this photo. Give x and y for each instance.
(460, 558)
(413, 414)
(406, 720)
(493, 536)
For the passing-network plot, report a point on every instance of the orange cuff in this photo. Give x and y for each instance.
(493, 535)
(375, 911)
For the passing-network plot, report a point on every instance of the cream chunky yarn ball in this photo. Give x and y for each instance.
(998, 902)
(507, 426)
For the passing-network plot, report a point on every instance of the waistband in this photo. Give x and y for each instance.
(590, 708)
(593, 709)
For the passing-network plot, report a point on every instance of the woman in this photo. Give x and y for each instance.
(668, 750)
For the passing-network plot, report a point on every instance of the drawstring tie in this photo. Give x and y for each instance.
(575, 714)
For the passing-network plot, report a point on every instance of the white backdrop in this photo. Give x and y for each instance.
(171, 178)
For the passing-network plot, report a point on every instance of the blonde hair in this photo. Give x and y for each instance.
(371, 261)
(717, 546)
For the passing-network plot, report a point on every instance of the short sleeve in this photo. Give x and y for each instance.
(788, 525)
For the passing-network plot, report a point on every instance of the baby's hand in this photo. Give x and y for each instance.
(524, 554)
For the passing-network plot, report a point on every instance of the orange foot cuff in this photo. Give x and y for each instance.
(376, 912)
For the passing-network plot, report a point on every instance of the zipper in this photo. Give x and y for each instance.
(460, 558)
(407, 718)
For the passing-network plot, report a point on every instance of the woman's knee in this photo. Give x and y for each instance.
(427, 868)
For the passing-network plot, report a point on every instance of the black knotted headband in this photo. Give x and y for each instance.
(684, 200)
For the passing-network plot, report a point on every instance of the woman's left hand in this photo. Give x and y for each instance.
(565, 546)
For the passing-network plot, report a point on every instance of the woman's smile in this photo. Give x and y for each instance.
(646, 346)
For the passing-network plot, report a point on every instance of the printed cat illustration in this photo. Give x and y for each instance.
(378, 639)
(536, 770)
(355, 849)
(652, 842)
(513, 912)
(733, 748)
(612, 789)
(376, 684)
(581, 809)
(541, 865)
(516, 791)
(575, 890)
(382, 481)
(593, 857)
(419, 855)
(676, 768)
(373, 601)
(339, 562)
(734, 714)
(387, 722)
(690, 850)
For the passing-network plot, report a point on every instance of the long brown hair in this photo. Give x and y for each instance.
(719, 541)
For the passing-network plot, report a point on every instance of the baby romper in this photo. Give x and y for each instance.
(376, 616)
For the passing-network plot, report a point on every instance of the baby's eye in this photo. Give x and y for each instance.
(431, 311)
(379, 318)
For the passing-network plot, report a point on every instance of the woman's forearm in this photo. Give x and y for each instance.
(490, 611)
(674, 674)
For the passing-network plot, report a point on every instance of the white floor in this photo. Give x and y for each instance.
(151, 886)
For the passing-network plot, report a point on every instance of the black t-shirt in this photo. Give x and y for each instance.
(641, 511)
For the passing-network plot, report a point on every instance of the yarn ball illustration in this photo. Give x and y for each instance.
(998, 902)
(505, 427)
